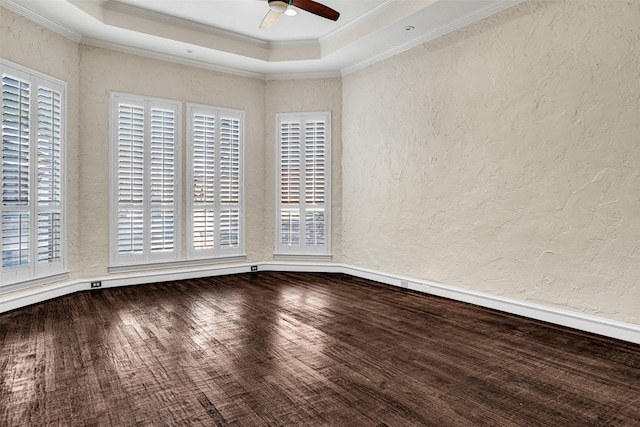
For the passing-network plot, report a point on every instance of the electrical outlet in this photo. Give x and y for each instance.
(404, 284)
(97, 284)
(254, 268)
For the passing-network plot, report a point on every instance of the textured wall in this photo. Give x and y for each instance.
(286, 96)
(504, 158)
(103, 71)
(500, 158)
(28, 44)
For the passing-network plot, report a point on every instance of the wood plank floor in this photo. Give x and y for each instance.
(285, 349)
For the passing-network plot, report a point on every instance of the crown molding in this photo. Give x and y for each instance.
(126, 9)
(303, 76)
(171, 58)
(41, 20)
(383, 8)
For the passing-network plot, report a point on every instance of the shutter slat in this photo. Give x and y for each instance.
(15, 240)
(315, 149)
(290, 227)
(162, 229)
(130, 236)
(130, 154)
(229, 160)
(230, 228)
(204, 153)
(49, 146)
(15, 141)
(162, 162)
(290, 175)
(203, 229)
(49, 237)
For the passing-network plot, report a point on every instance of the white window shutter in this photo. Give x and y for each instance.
(32, 207)
(315, 172)
(146, 180)
(290, 182)
(49, 236)
(303, 178)
(163, 179)
(130, 178)
(49, 165)
(15, 240)
(16, 114)
(215, 143)
(49, 146)
(203, 152)
(229, 182)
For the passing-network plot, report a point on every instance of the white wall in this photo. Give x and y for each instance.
(30, 45)
(503, 158)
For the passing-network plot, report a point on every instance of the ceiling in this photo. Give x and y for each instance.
(224, 34)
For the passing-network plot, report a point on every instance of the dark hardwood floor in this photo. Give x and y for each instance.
(287, 349)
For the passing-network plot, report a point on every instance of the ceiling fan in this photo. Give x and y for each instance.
(278, 7)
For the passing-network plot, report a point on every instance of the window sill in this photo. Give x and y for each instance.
(30, 283)
(302, 257)
(173, 264)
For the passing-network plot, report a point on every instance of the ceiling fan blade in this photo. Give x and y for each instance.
(269, 19)
(317, 9)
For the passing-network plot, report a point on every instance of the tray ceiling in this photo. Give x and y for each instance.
(224, 34)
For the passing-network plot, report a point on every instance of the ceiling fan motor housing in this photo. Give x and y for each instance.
(279, 5)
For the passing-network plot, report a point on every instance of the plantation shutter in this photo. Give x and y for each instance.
(163, 147)
(145, 157)
(290, 176)
(204, 174)
(49, 161)
(215, 150)
(303, 146)
(16, 101)
(229, 182)
(130, 176)
(314, 189)
(32, 238)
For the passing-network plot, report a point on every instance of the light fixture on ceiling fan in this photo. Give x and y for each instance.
(278, 7)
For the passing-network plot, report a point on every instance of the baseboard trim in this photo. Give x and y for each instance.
(597, 325)
(25, 297)
(584, 322)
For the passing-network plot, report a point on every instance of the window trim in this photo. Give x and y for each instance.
(303, 252)
(217, 252)
(146, 258)
(36, 273)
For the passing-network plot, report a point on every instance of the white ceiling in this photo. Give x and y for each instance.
(224, 34)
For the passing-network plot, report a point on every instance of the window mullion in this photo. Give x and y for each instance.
(146, 188)
(217, 207)
(33, 179)
(303, 182)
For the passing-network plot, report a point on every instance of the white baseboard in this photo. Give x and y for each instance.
(584, 322)
(598, 325)
(33, 295)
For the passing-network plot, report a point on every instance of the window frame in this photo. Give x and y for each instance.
(302, 251)
(218, 251)
(146, 258)
(36, 272)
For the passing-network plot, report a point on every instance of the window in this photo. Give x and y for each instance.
(303, 211)
(215, 144)
(33, 145)
(145, 199)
